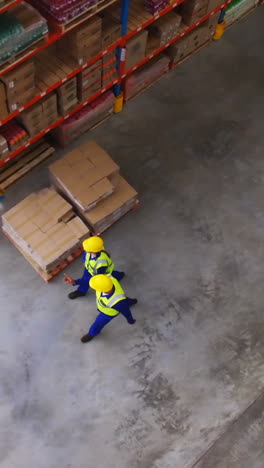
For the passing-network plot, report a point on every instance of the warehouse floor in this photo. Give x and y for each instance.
(164, 393)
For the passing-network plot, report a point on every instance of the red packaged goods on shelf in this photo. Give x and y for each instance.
(146, 75)
(14, 134)
(86, 118)
(154, 6)
(65, 10)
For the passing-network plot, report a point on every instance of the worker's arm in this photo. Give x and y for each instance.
(123, 308)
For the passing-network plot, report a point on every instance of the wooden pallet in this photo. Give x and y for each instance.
(46, 276)
(73, 23)
(26, 161)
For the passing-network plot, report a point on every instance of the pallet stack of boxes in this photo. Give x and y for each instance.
(162, 31)
(45, 230)
(89, 179)
(67, 96)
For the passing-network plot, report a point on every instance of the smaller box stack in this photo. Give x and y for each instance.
(163, 30)
(40, 116)
(89, 81)
(67, 96)
(154, 6)
(20, 85)
(86, 118)
(44, 229)
(109, 70)
(83, 43)
(90, 180)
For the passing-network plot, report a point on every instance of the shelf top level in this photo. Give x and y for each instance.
(8, 5)
(49, 39)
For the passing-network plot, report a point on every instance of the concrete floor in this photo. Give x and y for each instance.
(162, 393)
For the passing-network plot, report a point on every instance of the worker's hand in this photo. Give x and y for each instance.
(68, 279)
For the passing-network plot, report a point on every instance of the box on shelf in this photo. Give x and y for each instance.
(3, 102)
(44, 228)
(86, 118)
(163, 30)
(193, 10)
(136, 49)
(20, 85)
(85, 176)
(40, 115)
(89, 81)
(67, 96)
(85, 42)
(112, 208)
(145, 76)
(111, 31)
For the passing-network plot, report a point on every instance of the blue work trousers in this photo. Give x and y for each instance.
(102, 319)
(83, 282)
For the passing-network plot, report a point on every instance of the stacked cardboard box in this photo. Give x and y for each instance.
(45, 229)
(86, 118)
(193, 40)
(67, 96)
(20, 85)
(136, 49)
(39, 116)
(109, 69)
(89, 81)
(85, 42)
(193, 10)
(90, 180)
(111, 30)
(3, 103)
(145, 76)
(163, 30)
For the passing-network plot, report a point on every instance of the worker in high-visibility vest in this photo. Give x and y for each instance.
(111, 301)
(96, 261)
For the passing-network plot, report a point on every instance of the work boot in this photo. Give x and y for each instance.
(133, 302)
(86, 338)
(75, 294)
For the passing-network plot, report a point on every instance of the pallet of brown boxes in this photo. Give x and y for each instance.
(89, 179)
(46, 231)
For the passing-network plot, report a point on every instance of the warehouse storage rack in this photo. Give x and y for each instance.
(119, 45)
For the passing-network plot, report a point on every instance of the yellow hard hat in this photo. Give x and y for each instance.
(93, 244)
(101, 283)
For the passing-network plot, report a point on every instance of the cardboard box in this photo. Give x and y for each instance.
(109, 210)
(111, 31)
(18, 75)
(3, 103)
(163, 30)
(136, 49)
(37, 227)
(85, 176)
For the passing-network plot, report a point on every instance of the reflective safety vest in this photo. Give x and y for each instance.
(105, 304)
(102, 261)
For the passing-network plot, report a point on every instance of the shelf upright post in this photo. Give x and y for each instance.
(121, 49)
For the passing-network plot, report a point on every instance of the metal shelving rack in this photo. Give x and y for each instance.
(120, 45)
